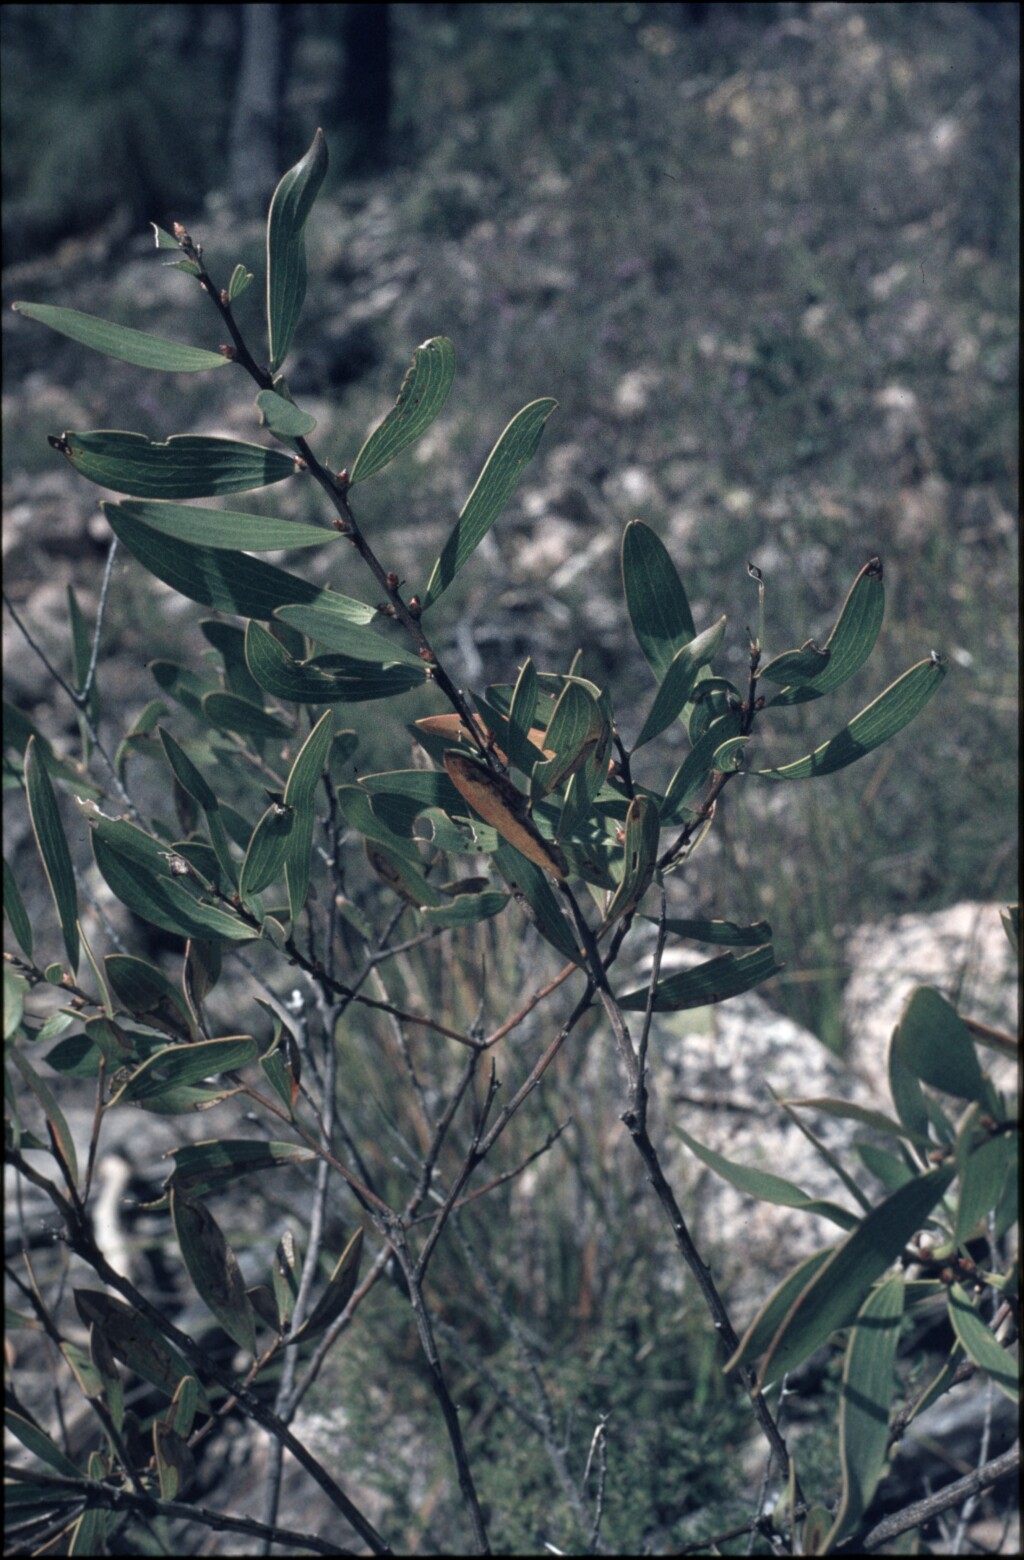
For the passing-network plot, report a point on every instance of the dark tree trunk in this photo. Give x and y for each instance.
(366, 84)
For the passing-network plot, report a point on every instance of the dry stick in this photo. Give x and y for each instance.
(634, 1118)
(396, 1235)
(81, 1241)
(105, 1497)
(924, 1510)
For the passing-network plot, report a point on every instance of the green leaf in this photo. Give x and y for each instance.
(573, 732)
(935, 1044)
(727, 932)
(521, 714)
(136, 1341)
(529, 882)
(179, 1065)
(494, 487)
(61, 1141)
(466, 909)
(53, 848)
(286, 247)
(423, 393)
(118, 341)
(713, 981)
(776, 1308)
(139, 874)
(882, 719)
(851, 641)
(977, 1341)
(16, 988)
(431, 787)
(984, 1162)
(228, 581)
(794, 668)
(189, 777)
(14, 910)
(283, 418)
(657, 604)
(679, 681)
(696, 767)
(39, 1444)
(268, 848)
(200, 1168)
(223, 528)
(340, 623)
(299, 794)
(765, 1186)
(213, 1268)
(228, 712)
(867, 1392)
(185, 466)
(640, 852)
(239, 283)
(340, 1289)
(834, 1296)
(326, 680)
(147, 994)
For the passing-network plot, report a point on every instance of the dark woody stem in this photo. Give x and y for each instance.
(336, 489)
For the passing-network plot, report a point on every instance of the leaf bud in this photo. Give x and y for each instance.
(342, 526)
(415, 606)
(227, 351)
(344, 480)
(426, 654)
(224, 297)
(391, 580)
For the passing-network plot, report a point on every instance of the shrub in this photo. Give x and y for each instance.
(345, 969)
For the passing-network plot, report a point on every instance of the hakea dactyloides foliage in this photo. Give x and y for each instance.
(526, 799)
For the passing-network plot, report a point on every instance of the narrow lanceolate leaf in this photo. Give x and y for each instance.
(147, 994)
(679, 681)
(286, 247)
(53, 848)
(224, 528)
(776, 1308)
(834, 1296)
(229, 712)
(268, 848)
(62, 1142)
(340, 623)
(851, 641)
(118, 341)
(39, 1443)
(200, 1168)
(888, 714)
(498, 803)
(185, 466)
(213, 1268)
(332, 679)
(340, 1289)
(640, 851)
(299, 794)
(147, 886)
(494, 487)
(422, 395)
(726, 976)
(136, 1341)
(466, 909)
(984, 1163)
(283, 417)
(728, 932)
(696, 767)
(14, 909)
(867, 1392)
(976, 1339)
(180, 1065)
(657, 604)
(529, 882)
(229, 581)
(765, 1186)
